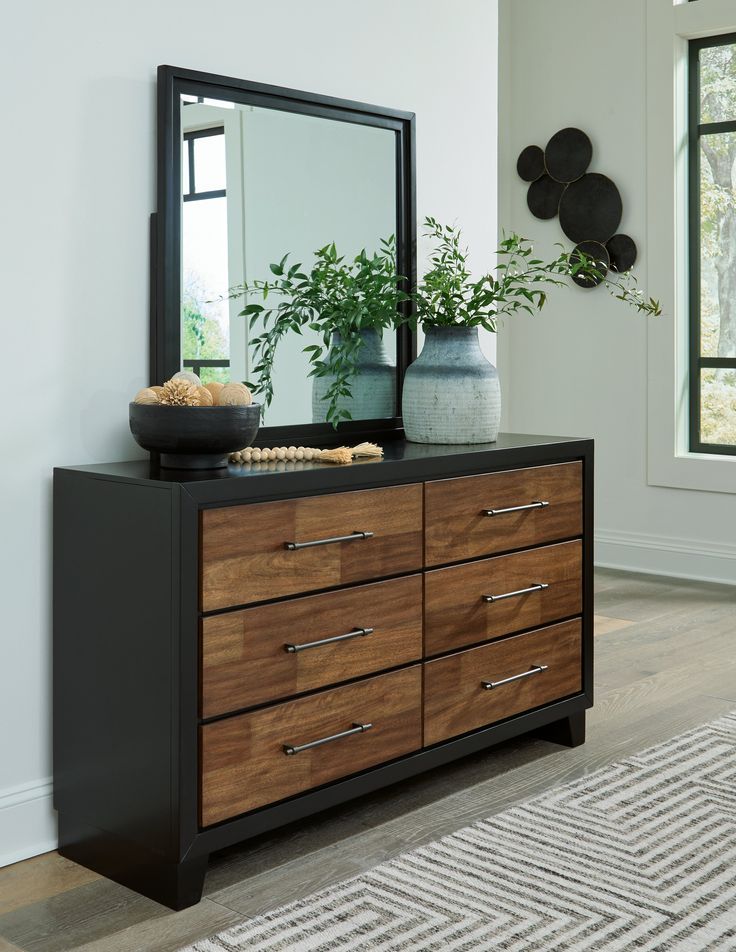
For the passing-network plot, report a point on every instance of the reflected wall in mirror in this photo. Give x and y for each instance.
(264, 175)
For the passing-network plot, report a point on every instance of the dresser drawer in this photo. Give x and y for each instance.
(479, 515)
(456, 699)
(253, 759)
(266, 550)
(273, 651)
(467, 604)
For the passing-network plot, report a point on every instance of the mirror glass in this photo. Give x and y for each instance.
(258, 184)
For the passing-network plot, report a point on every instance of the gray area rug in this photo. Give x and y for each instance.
(639, 855)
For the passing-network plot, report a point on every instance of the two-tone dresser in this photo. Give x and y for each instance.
(237, 650)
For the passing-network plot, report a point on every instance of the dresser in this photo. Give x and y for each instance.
(238, 650)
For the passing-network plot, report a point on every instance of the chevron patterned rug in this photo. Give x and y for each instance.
(640, 855)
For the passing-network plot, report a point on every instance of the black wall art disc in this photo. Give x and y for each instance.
(590, 208)
(530, 164)
(543, 197)
(596, 251)
(622, 251)
(568, 155)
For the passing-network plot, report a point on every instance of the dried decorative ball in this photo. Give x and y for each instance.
(214, 388)
(157, 390)
(308, 453)
(256, 456)
(189, 377)
(146, 395)
(205, 397)
(247, 455)
(299, 454)
(179, 393)
(234, 395)
(281, 453)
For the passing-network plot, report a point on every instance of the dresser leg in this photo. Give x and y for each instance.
(176, 885)
(569, 732)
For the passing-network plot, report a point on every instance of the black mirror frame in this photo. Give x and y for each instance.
(165, 341)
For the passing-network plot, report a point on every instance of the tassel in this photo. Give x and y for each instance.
(341, 454)
(367, 449)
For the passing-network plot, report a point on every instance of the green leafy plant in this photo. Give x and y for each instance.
(449, 296)
(338, 299)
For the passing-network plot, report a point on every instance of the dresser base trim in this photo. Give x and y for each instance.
(176, 885)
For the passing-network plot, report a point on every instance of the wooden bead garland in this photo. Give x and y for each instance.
(308, 454)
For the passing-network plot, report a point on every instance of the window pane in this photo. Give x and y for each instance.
(718, 245)
(718, 406)
(209, 163)
(206, 330)
(718, 83)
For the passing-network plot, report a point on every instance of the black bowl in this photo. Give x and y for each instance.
(193, 437)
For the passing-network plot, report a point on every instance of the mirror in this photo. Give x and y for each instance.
(250, 175)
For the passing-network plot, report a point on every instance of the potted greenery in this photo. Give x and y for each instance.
(348, 303)
(451, 392)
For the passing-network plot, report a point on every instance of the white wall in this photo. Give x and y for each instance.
(580, 367)
(77, 180)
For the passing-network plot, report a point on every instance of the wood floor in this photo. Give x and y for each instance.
(665, 662)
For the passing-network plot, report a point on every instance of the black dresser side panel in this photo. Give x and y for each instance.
(115, 585)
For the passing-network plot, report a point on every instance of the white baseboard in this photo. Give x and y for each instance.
(27, 821)
(666, 555)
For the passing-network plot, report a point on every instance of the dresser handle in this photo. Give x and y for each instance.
(537, 587)
(353, 537)
(298, 748)
(536, 669)
(531, 505)
(355, 633)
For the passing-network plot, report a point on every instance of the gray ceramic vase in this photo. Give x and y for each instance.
(451, 392)
(373, 388)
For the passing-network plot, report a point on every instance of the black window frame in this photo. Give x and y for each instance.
(196, 364)
(696, 130)
(190, 138)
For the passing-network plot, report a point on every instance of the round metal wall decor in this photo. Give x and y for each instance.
(596, 251)
(591, 209)
(622, 251)
(588, 203)
(530, 164)
(568, 155)
(543, 197)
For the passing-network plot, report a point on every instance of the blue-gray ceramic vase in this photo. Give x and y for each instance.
(373, 388)
(451, 392)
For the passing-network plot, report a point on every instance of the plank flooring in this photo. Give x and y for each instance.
(664, 663)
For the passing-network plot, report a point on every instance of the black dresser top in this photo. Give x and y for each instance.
(403, 462)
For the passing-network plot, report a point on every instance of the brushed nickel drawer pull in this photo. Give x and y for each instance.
(531, 505)
(353, 537)
(290, 749)
(355, 633)
(537, 587)
(535, 669)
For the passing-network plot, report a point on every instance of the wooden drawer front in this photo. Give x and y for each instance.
(458, 614)
(455, 700)
(457, 528)
(245, 558)
(259, 654)
(244, 762)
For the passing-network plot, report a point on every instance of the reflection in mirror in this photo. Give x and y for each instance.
(260, 183)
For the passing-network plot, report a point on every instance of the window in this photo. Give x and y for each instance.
(205, 338)
(712, 244)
